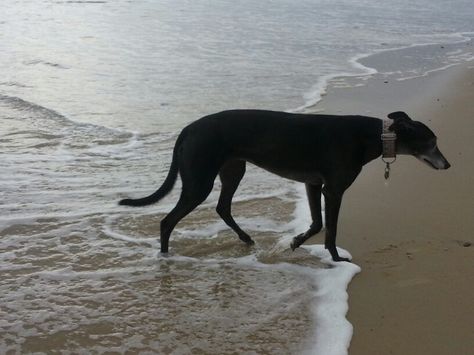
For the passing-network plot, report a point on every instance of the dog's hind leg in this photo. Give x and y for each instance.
(231, 173)
(198, 172)
(313, 193)
(187, 202)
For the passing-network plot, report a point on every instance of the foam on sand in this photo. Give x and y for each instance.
(333, 331)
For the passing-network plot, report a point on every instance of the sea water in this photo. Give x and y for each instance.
(92, 97)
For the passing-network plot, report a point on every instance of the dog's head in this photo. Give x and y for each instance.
(417, 139)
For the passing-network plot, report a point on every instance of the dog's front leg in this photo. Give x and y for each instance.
(314, 198)
(333, 200)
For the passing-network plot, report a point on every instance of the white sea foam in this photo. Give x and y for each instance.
(318, 91)
(428, 72)
(107, 230)
(333, 332)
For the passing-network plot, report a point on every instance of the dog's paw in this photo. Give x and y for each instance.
(246, 239)
(339, 258)
(296, 242)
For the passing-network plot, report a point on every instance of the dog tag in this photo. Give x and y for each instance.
(387, 171)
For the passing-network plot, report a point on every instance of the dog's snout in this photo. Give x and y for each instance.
(434, 159)
(439, 160)
(446, 164)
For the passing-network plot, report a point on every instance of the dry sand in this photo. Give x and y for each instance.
(415, 294)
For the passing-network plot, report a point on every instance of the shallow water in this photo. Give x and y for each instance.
(80, 273)
(92, 96)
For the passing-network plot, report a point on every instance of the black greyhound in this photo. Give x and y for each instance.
(325, 152)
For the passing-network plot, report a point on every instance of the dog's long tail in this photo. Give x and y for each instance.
(165, 188)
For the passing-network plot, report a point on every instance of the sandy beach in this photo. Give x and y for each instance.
(412, 236)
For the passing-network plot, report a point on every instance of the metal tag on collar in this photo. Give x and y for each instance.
(387, 171)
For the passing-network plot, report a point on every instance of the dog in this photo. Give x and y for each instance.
(325, 152)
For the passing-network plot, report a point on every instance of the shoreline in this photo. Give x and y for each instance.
(368, 64)
(412, 236)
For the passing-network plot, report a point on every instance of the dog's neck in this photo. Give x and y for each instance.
(370, 134)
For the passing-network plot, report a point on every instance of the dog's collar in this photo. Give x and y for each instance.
(389, 153)
(389, 139)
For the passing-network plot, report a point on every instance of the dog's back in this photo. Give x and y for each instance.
(288, 144)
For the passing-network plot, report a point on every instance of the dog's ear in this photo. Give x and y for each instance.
(401, 121)
(402, 126)
(399, 116)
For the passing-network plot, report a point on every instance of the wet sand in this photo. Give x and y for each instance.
(412, 237)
